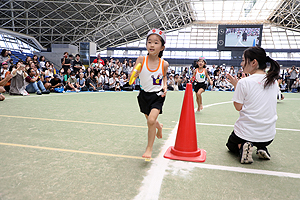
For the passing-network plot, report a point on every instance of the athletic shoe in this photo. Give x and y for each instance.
(45, 92)
(38, 93)
(263, 154)
(246, 153)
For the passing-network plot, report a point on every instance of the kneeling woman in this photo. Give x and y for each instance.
(255, 99)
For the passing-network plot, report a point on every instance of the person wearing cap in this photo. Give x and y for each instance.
(56, 83)
(200, 74)
(153, 85)
(4, 57)
(4, 69)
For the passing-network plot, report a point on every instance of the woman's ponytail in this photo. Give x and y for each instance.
(273, 72)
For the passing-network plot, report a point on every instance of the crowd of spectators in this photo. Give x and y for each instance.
(36, 75)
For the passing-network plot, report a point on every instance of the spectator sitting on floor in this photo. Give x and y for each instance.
(47, 83)
(283, 86)
(81, 82)
(91, 82)
(56, 84)
(4, 69)
(17, 86)
(66, 76)
(224, 85)
(171, 82)
(49, 71)
(34, 84)
(2, 83)
(112, 81)
(124, 82)
(72, 83)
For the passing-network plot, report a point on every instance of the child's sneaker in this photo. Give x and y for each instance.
(246, 153)
(263, 154)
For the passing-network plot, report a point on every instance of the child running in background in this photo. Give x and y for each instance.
(153, 85)
(200, 74)
(255, 99)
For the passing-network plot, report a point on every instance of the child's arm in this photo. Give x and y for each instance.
(210, 81)
(138, 60)
(166, 65)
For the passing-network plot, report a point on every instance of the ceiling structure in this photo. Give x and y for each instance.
(115, 22)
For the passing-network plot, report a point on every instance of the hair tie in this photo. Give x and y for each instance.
(268, 59)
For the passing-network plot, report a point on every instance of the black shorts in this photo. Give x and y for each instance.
(198, 85)
(149, 100)
(234, 140)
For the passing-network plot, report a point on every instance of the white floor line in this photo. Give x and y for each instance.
(188, 166)
(151, 184)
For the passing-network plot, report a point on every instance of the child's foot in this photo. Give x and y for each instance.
(159, 131)
(147, 153)
(201, 107)
(198, 110)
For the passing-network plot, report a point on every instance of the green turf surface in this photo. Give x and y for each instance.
(110, 123)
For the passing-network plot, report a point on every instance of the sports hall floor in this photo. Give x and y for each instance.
(89, 146)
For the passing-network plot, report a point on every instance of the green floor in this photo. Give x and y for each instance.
(89, 146)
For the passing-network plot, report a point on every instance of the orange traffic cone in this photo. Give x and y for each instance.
(186, 140)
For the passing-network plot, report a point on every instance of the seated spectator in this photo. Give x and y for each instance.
(124, 84)
(171, 82)
(81, 82)
(35, 60)
(72, 83)
(47, 83)
(66, 76)
(4, 57)
(17, 86)
(2, 83)
(42, 63)
(49, 71)
(91, 82)
(112, 81)
(224, 85)
(3, 70)
(34, 84)
(118, 87)
(7, 85)
(56, 84)
(283, 86)
(104, 80)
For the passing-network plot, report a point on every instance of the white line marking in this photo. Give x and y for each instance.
(151, 184)
(188, 166)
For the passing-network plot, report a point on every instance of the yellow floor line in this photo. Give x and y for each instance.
(71, 121)
(71, 151)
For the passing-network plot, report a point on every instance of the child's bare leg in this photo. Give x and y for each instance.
(199, 99)
(151, 122)
(159, 127)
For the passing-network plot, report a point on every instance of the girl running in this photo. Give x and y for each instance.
(153, 85)
(200, 74)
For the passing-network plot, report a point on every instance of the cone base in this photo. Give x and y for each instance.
(200, 158)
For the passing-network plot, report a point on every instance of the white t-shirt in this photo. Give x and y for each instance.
(257, 121)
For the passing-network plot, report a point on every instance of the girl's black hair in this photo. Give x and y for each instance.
(162, 44)
(259, 54)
